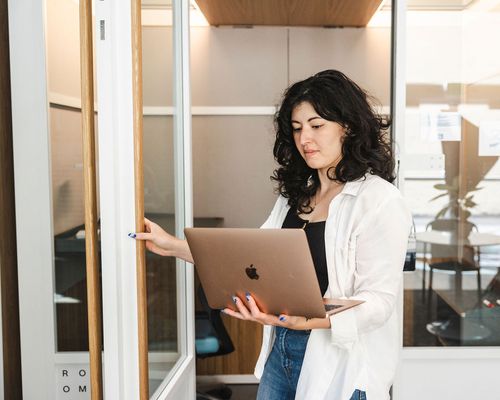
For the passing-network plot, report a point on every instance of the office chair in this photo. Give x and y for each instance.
(445, 257)
(211, 340)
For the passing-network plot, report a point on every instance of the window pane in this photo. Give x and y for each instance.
(452, 175)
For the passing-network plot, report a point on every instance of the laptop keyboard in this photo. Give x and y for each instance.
(330, 307)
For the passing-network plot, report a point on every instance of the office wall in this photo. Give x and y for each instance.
(251, 67)
(230, 67)
(63, 62)
(245, 67)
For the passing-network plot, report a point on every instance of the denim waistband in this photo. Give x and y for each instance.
(282, 331)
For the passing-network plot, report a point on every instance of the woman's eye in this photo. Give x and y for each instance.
(296, 129)
(317, 126)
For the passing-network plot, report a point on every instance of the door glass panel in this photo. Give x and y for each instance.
(452, 174)
(63, 64)
(67, 181)
(159, 188)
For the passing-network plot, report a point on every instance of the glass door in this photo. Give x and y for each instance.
(49, 202)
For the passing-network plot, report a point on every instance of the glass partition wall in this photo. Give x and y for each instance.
(452, 173)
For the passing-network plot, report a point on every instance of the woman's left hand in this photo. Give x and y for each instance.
(250, 311)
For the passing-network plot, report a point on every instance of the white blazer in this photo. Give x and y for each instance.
(366, 235)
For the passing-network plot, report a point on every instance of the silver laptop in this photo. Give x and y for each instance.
(274, 265)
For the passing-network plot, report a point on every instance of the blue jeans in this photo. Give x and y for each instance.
(282, 369)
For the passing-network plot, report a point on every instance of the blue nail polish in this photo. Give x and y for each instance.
(282, 318)
(132, 235)
(222, 311)
(235, 299)
(247, 295)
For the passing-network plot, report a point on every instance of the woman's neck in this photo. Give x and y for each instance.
(326, 185)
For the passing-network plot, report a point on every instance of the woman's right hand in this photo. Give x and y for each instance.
(160, 242)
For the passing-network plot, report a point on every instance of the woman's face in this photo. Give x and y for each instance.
(318, 140)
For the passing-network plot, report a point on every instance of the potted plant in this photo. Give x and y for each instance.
(457, 205)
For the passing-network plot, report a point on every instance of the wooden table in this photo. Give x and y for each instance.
(475, 239)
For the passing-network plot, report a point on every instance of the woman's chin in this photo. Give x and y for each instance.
(315, 165)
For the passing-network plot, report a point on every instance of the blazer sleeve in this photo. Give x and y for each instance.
(379, 258)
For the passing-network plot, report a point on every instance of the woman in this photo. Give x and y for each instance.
(334, 180)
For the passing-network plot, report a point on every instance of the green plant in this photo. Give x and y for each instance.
(455, 203)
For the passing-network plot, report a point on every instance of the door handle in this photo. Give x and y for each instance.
(90, 200)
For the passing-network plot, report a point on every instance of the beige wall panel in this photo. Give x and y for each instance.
(63, 48)
(67, 169)
(238, 66)
(232, 163)
(362, 54)
(230, 66)
(158, 165)
(157, 66)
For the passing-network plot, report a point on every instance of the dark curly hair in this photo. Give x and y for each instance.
(365, 146)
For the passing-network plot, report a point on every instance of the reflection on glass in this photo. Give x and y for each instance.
(161, 271)
(70, 295)
(452, 176)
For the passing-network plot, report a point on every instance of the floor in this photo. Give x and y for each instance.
(244, 392)
(239, 392)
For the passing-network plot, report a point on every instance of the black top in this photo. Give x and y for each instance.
(315, 232)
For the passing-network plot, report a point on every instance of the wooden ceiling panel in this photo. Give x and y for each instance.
(289, 12)
(333, 12)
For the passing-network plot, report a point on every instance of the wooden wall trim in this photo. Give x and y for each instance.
(8, 253)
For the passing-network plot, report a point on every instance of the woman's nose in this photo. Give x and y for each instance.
(305, 136)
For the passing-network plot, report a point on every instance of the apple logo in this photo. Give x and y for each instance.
(252, 272)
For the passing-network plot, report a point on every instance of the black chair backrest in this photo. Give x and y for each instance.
(225, 343)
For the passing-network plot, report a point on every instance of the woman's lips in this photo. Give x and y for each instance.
(310, 153)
